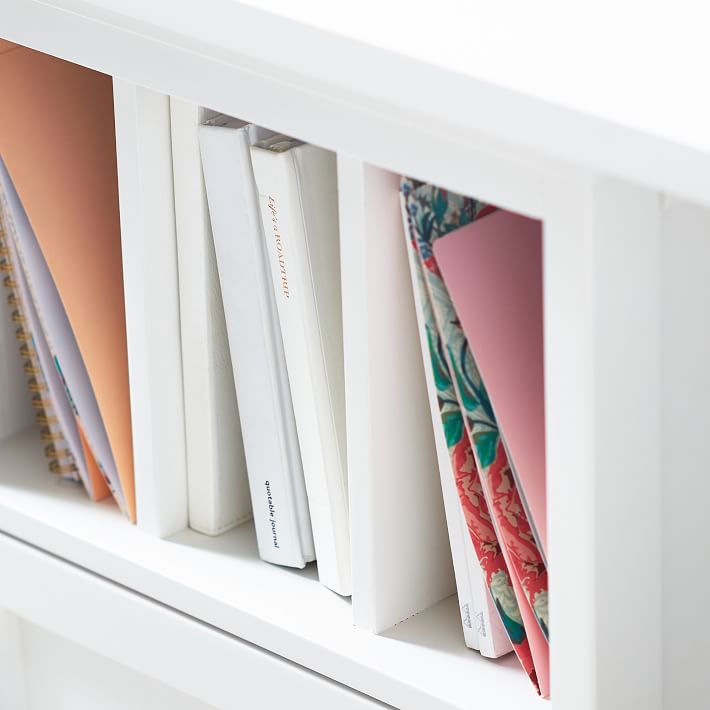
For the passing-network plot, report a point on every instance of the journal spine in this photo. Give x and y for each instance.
(298, 200)
(281, 517)
(60, 458)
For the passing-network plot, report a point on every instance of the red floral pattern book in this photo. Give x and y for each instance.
(482, 528)
(493, 272)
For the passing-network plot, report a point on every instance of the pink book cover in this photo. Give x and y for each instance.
(493, 271)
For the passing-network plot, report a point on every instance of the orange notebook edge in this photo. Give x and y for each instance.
(100, 488)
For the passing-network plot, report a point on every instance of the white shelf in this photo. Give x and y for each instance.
(517, 106)
(420, 663)
(532, 80)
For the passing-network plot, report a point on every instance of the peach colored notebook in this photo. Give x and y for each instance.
(493, 271)
(58, 142)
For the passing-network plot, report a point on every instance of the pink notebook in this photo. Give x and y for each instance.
(493, 271)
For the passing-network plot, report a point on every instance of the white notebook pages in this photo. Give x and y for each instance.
(60, 336)
(217, 487)
(281, 515)
(297, 187)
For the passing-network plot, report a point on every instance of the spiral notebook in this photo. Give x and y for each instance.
(51, 416)
(57, 376)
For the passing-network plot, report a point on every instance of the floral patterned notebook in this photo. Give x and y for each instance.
(500, 532)
(493, 272)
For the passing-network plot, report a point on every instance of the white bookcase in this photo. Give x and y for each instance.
(555, 121)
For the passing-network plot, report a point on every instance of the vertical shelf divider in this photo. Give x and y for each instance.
(686, 451)
(401, 557)
(152, 307)
(602, 267)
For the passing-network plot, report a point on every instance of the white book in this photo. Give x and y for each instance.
(297, 187)
(218, 491)
(481, 624)
(281, 516)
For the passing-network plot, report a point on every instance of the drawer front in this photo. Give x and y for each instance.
(177, 650)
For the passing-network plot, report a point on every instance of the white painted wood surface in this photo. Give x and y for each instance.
(602, 269)
(421, 664)
(193, 658)
(13, 669)
(214, 451)
(62, 675)
(533, 81)
(152, 306)
(401, 555)
(626, 339)
(685, 455)
(16, 413)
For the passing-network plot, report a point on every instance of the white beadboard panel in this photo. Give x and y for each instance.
(401, 554)
(145, 184)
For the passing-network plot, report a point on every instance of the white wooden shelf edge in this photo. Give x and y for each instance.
(204, 52)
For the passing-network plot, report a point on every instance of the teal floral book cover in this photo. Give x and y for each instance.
(503, 541)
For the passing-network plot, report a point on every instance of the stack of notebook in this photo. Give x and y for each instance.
(476, 273)
(477, 281)
(61, 263)
(273, 208)
(266, 402)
